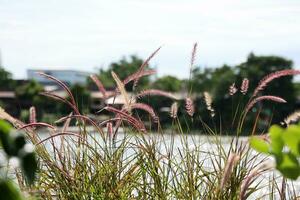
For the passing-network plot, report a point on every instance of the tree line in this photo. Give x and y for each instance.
(215, 81)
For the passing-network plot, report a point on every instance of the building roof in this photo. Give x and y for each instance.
(58, 69)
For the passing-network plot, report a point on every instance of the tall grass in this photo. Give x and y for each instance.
(126, 161)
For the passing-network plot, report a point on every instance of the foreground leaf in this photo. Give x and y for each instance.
(291, 138)
(259, 145)
(29, 166)
(288, 165)
(277, 142)
(9, 191)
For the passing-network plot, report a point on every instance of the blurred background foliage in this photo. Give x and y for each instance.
(15, 147)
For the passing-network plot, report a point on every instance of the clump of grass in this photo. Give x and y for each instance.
(97, 161)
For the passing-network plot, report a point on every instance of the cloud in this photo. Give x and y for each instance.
(91, 33)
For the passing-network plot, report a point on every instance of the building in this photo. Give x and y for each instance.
(69, 77)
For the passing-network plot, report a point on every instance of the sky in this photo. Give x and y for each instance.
(90, 34)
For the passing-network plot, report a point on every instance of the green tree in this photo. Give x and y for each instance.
(6, 81)
(29, 94)
(201, 80)
(167, 83)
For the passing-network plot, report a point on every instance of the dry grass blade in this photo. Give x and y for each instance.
(294, 117)
(266, 97)
(208, 102)
(59, 134)
(67, 123)
(267, 79)
(64, 129)
(110, 120)
(37, 124)
(59, 98)
(32, 115)
(246, 183)
(99, 84)
(146, 108)
(60, 83)
(141, 69)
(154, 92)
(232, 89)
(138, 75)
(249, 179)
(245, 86)
(82, 117)
(133, 121)
(283, 189)
(189, 106)
(193, 57)
(230, 164)
(110, 129)
(122, 90)
(174, 110)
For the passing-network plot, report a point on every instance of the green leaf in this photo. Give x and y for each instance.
(15, 142)
(277, 142)
(259, 145)
(4, 127)
(291, 137)
(4, 136)
(289, 166)
(28, 165)
(9, 191)
(19, 142)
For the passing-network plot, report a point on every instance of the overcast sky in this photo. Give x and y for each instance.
(88, 34)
